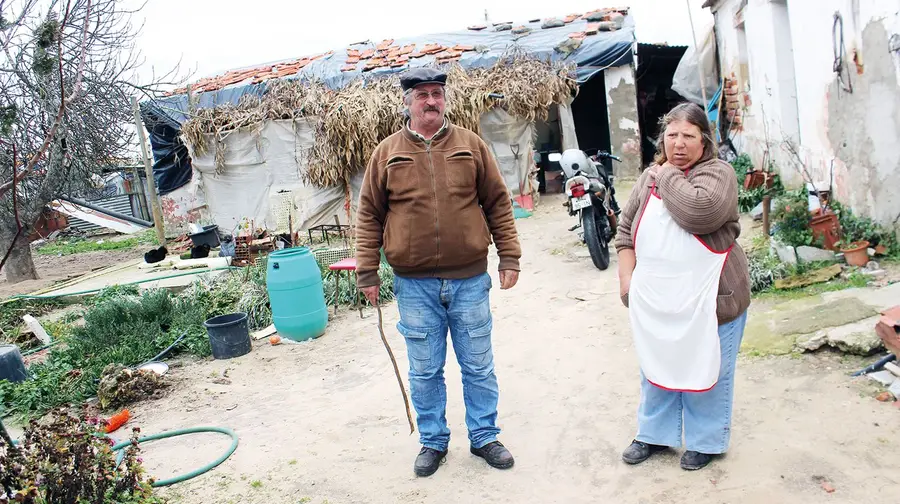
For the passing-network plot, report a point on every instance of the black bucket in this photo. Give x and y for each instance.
(209, 236)
(12, 367)
(229, 335)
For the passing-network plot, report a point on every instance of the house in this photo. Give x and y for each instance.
(813, 86)
(268, 170)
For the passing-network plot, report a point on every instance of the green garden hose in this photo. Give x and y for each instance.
(180, 432)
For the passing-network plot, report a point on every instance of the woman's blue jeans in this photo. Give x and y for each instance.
(703, 417)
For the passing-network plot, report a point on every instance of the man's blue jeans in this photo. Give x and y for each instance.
(428, 308)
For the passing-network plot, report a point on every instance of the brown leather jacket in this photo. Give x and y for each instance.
(434, 207)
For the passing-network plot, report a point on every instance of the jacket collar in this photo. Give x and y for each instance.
(416, 137)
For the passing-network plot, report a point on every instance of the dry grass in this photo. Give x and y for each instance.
(350, 122)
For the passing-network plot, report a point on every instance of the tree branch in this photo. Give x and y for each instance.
(18, 177)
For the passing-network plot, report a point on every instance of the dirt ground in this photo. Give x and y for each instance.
(323, 422)
(52, 269)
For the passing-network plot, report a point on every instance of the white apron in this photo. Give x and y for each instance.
(672, 302)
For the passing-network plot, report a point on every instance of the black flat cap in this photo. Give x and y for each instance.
(418, 76)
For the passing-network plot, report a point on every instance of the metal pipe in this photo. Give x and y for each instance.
(111, 213)
(877, 366)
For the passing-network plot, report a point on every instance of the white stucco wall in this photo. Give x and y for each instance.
(624, 133)
(857, 131)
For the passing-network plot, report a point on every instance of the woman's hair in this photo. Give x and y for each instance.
(693, 114)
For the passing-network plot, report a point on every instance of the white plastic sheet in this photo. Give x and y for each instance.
(263, 164)
(260, 164)
(567, 126)
(686, 80)
(510, 139)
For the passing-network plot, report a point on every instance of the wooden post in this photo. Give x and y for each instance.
(699, 63)
(151, 182)
(766, 204)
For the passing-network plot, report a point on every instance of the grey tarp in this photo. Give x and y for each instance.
(596, 52)
(606, 49)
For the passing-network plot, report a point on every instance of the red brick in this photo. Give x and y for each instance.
(887, 329)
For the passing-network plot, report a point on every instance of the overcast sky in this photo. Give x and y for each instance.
(212, 36)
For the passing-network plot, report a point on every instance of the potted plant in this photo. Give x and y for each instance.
(826, 228)
(856, 253)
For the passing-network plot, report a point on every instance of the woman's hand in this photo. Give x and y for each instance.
(627, 262)
(624, 284)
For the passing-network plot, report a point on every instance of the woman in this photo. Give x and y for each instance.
(685, 280)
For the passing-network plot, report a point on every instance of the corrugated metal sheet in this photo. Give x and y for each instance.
(121, 204)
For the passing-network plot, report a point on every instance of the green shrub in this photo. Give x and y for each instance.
(857, 228)
(791, 217)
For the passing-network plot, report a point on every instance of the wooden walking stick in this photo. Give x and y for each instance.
(412, 427)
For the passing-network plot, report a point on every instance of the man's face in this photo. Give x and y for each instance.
(428, 104)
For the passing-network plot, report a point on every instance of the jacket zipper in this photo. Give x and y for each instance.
(437, 224)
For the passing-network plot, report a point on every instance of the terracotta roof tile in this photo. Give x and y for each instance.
(387, 54)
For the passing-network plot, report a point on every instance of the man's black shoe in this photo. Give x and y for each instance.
(428, 461)
(495, 454)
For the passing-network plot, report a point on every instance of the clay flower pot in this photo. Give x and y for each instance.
(754, 179)
(827, 228)
(856, 253)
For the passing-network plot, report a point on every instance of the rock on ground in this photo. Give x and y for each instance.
(857, 338)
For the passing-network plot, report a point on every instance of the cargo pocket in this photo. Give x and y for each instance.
(417, 348)
(479, 343)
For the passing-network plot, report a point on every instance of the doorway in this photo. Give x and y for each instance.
(656, 66)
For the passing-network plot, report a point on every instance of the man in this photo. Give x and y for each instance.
(433, 197)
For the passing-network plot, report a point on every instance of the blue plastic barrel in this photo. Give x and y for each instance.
(296, 294)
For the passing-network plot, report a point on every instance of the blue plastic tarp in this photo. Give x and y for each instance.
(596, 52)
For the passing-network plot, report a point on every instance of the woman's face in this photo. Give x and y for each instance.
(684, 144)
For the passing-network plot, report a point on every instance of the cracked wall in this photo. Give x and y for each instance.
(625, 136)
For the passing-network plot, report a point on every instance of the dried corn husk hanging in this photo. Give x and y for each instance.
(351, 121)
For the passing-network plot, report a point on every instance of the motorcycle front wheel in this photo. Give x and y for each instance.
(593, 237)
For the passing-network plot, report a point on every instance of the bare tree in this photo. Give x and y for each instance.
(67, 71)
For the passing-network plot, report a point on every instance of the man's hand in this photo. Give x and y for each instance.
(371, 294)
(508, 279)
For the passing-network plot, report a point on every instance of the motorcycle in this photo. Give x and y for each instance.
(591, 196)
